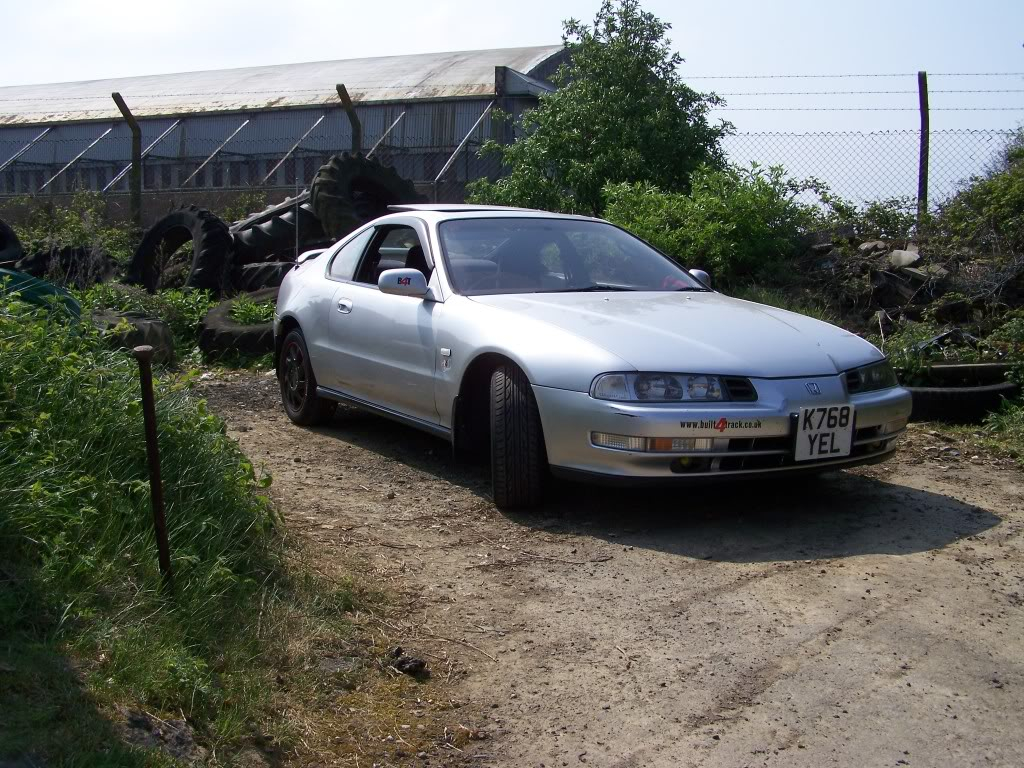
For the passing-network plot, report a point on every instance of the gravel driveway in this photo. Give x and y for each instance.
(872, 617)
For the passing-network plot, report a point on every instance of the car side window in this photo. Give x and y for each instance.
(343, 265)
(395, 247)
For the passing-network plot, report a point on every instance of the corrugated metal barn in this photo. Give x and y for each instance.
(270, 127)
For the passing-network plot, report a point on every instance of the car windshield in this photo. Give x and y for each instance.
(538, 255)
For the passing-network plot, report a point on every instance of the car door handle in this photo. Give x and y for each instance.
(344, 306)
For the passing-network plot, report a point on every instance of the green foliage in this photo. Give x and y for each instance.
(621, 114)
(245, 203)
(183, 310)
(894, 218)
(901, 346)
(79, 565)
(801, 302)
(989, 212)
(1004, 430)
(82, 224)
(248, 312)
(737, 223)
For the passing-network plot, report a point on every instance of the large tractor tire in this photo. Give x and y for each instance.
(253, 277)
(350, 190)
(274, 233)
(211, 249)
(10, 246)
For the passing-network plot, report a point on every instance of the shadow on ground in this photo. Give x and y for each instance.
(841, 514)
(47, 718)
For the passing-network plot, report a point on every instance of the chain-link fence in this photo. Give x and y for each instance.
(437, 146)
(862, 167)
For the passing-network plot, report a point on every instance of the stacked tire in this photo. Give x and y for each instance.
(222, 336)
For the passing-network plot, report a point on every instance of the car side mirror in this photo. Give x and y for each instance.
(702, 276)
(403, 282)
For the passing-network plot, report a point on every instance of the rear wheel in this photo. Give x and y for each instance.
(517, 443)
(298, 384)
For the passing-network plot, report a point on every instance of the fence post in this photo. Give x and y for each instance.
(144, 354)
(135, 178)
(353, 118)
(922, 165)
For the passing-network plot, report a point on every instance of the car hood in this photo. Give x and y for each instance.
(695, 332)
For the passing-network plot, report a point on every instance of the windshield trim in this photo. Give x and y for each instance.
(450, 274)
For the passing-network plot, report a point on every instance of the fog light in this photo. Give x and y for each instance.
(652, 444)
(893, 426)
(619, 442)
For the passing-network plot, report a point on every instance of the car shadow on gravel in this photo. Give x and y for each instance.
(839, 514)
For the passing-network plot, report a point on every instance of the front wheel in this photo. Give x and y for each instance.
(298, 384)
(517, 442)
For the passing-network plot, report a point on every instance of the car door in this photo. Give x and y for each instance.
(384, 344)
(340, 269)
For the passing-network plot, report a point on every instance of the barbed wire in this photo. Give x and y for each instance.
(867, 74)
(866, 93)
(868, 109)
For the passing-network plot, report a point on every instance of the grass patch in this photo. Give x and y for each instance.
(84, 621)
(183, 310)
(248, 312)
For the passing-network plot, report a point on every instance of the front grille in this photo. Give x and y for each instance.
(740, 390)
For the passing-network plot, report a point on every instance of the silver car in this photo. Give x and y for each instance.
(563, 344)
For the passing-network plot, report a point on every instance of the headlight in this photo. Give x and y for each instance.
(871, 377)
(658, 387)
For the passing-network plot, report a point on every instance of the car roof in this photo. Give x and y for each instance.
(442, 212)
(455, 207)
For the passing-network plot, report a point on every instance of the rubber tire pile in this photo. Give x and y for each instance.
(258, 251)
(254, 255)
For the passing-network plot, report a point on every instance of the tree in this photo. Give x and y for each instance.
(620, 113)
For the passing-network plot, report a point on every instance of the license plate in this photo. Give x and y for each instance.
(824, 432)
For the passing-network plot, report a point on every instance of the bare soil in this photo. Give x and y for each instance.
(871, 617)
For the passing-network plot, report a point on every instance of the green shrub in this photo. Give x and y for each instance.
(1005, 429)
(248, 312)
(81, 224)
(989, 212)
(801, 302)
(621, 113)
(243, 205)
(79, 566)
(183, 310)
(737, 223)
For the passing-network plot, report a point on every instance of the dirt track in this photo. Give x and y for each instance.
(874, 617)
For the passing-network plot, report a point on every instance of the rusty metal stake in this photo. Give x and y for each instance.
(144, 354)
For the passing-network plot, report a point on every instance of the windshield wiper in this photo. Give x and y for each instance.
(693, 288)
(591, 288)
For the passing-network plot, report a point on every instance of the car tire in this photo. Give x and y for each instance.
(298, 384)
(518, 461)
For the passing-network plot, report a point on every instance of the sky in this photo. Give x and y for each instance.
(61, 40)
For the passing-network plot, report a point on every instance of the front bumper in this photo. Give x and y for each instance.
(749, 438)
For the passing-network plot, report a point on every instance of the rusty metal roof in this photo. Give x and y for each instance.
(386, 78)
